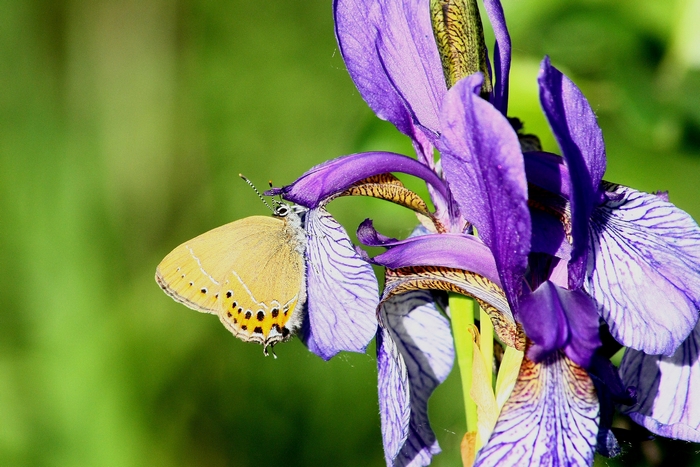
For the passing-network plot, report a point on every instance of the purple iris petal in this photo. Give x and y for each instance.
(501, 54)
(556, 318)
(548, 235)
(574, 125)
(484, 167)
(342, 292)
(550, 419)
(414, 355)
(644, 270)
(446, 250)
(667, 389)
(576, 129)
(548, 171)
(391, 55)
(336, 175)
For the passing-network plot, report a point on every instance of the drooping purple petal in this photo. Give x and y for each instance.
(644, 270)
(555, 318)
(550, 419)
(336, 175)
(342, 291)
(415, 351)
(667, 389)
(446, 250)
(501, 54)
(391, 55)
(484, 166)
(576, 129)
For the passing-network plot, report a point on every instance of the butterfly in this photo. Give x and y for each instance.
(251, 273)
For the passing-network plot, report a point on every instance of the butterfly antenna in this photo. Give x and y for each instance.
(257, 192)
(277, 203)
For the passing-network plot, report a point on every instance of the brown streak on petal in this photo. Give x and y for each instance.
(461, 282)
(390, 192)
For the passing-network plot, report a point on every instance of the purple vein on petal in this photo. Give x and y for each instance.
(342, 290)
(550, 419)
(644, 270)
(416, 348)
(667, 402)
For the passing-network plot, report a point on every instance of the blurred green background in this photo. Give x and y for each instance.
(123, 126)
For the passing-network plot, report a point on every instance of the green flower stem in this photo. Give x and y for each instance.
(462, 311)
(486, 341)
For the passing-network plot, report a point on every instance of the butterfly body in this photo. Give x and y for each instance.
(251, 273)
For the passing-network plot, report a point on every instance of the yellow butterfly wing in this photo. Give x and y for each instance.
(250, 272)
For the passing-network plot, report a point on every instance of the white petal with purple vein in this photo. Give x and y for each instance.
(644, 270)
(416, 352)
(550, 419)
(342, 290)
(668, 389)
(394, 397)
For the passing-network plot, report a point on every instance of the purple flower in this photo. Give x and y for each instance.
(558, 249)
(390, 53)
(414, 344)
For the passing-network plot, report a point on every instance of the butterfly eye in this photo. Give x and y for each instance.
(281, 210)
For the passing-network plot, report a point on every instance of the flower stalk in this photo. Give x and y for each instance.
(462, 312)
(486, 342)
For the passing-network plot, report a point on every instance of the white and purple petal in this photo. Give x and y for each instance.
(342, 291)
(550, 419)
(484, 166)
(415, 354)
(394, 395)
(667, 389)
(644, 270)
(391, 55)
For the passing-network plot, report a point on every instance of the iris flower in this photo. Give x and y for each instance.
(558, 252)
